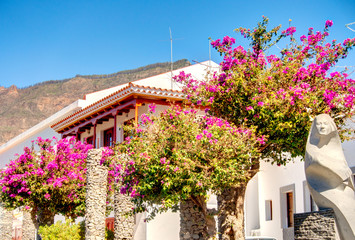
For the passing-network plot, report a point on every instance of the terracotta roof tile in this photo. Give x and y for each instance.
(126, 91)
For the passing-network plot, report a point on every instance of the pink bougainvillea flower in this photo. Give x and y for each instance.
(163, 160)
(152, 108)
(328, 23)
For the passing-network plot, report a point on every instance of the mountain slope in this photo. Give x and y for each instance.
(21, 109)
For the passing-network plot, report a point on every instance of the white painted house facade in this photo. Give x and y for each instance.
(273, 195)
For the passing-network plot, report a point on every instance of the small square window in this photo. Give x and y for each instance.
(268, 210)
(108, 137)
(289, 199)
(90, 140)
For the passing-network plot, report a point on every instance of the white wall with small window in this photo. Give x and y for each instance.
(251, 208)
(287, 209)
(275, 185)
(268, 210)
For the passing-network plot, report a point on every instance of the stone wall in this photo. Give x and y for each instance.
(28, 227)
(5, 223)
(95, 196)
(315, 225)
(124, 225)
(192, 222)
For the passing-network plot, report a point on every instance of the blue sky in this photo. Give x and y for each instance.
(53, 40)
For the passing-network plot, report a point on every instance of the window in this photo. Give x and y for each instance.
(108, 137)
(90, 140)
(289, 206)
(268, 210)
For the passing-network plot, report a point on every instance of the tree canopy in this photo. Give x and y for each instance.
(278, 94)
(52, 178)
(180, 154)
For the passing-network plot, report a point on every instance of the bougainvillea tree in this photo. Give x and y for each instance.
(47, 181)
(277, 95)
(180, 156)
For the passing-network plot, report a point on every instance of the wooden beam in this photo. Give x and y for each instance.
(94, 137)
(157, 102)
(94, 119)
(136, 112)
(115, 128)
(77, 136)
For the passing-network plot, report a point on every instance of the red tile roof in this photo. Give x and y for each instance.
(116, 97)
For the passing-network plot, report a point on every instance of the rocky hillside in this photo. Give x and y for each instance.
(21, 109)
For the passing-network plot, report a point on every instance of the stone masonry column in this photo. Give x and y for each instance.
(192, 222)
(124, 225)
(28, 227)
(95, 196)
(5, 223)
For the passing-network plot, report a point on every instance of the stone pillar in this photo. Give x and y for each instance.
(28, 227)
(192, 222)
(5, 224)
(315, 225)
(124, 225)
(96, 191)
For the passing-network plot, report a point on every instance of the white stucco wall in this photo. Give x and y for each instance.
(251, 207)
(349, 146)
(197, 71)
(272, 179)
(164, 226)
(9, 154)
(349, 152)
(42, 129)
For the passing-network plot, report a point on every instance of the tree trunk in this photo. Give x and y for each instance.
(231, 213)
(124, 225)
(196, 222)
(45, 217)
(231, 208)
(5, 223)
(28, 226)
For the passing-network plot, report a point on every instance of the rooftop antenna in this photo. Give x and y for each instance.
(347, 25)
(209, 52)
(171, 59)
(171, 55)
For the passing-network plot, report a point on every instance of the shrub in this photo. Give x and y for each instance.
(68, 230)
(62, 231)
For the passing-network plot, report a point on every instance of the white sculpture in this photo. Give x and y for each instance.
(328, 175)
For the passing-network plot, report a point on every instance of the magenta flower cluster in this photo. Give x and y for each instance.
(52, 174)
(56, 171)
(289, 31)
(239, 60)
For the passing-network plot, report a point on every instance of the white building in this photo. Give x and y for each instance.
(277, 192)
(273, 195)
